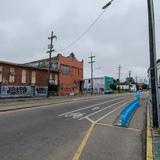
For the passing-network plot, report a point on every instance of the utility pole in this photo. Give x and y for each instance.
(136, 78)
(153, 65)
(130, 80)
(51, 49)
(137, 86)
(119, 76)
(91, 62)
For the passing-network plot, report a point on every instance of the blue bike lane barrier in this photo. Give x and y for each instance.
(127, 113)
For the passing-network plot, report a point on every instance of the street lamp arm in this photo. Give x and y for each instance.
(107, 5)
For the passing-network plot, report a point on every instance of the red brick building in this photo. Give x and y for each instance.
(15, 78)
(71, 75)
(66, 77)
(70, 72)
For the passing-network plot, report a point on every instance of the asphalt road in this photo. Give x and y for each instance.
(58, 131)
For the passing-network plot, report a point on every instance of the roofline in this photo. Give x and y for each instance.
(98, 77)
(24, 66)
(55, 57)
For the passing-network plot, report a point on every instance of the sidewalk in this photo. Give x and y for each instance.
(22, 99)
(118, 143)
(153, 138)
(26, 103)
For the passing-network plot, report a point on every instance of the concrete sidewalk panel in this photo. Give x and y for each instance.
(113, 144)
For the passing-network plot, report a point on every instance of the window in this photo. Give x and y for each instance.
(56, 79)
(12, 75)
(50, 77)
(23, 76)
(1, 68)
(33, 79)
(64, 69)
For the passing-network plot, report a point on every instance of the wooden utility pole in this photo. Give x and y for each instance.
(51, 49)
(91, 62)
(119, 77)
(136, 78)
(129, 80)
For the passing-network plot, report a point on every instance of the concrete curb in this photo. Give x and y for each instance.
(149, 147)
(24, 99)
(33, 106)
(46, 104)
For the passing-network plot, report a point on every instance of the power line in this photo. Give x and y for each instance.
(84, 33)
(89, 28)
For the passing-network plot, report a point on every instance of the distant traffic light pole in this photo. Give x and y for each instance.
(91, 62)
(50, 47)
(119, 77)
(153, 65)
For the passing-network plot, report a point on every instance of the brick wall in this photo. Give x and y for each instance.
(41, 75)
(70, 82)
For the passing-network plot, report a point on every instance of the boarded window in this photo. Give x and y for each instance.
(23, 76)
(56, 79)
(50, 76)
(33, 79)
(12, 75)
(1, 73)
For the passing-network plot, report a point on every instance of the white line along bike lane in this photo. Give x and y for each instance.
(88, 111)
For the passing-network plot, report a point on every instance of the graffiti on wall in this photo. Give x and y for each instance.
(22, 91)
(41, 91)
(16, 91)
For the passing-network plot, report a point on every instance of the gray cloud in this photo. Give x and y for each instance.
(119, 37)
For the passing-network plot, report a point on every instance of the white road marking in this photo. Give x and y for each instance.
(89, 119)
(75, 115)
(111, 112)
(91, 106)
(102, 110)
(95, 108)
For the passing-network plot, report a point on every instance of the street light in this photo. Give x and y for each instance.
(107, 5)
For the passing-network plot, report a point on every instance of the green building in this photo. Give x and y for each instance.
(108, 82)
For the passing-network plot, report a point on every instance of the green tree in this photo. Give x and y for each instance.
(113, 86)
(130, 80)
(144, 86)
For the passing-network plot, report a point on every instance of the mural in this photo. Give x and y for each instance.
(22, 91)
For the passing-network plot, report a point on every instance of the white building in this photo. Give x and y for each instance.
(132, 87)
(98, 84)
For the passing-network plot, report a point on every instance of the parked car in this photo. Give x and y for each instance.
(108, 91)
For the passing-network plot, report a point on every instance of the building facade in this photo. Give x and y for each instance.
(21, 80)
(70, 72)
(100, 84)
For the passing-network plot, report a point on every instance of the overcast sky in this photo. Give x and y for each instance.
(119, 37)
